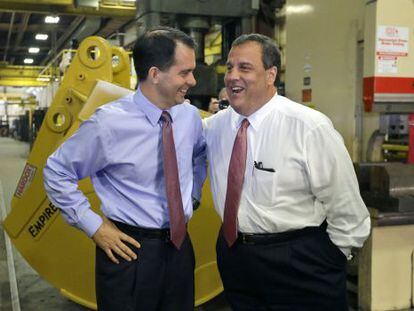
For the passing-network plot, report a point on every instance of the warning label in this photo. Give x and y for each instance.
(25, 180)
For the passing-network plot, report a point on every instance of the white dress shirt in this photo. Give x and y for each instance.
(313, 176)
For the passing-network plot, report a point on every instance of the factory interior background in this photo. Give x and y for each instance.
(353, 60)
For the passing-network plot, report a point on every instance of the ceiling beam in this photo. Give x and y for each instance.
(22, 28)
(24, 48)
(34, 6)
(43, 2)
(20, 76)
(34, 27)
(8, 36)
(20, 33)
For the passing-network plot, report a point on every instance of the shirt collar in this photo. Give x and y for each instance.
(151, 111)
(256, 118)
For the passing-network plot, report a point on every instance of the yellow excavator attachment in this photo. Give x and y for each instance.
(61, 254)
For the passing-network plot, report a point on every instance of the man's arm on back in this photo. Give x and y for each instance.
(199, 162)
(334, 183)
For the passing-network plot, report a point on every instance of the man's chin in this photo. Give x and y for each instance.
(179, 100)
(239, 107)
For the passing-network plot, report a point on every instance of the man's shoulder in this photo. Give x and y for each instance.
(218, 119)
(187, 108)
(297, 112)
(113, 109)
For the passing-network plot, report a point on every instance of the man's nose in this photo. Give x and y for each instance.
(191, 80)
(232, 75)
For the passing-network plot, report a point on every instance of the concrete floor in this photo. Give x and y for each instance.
(34, 293)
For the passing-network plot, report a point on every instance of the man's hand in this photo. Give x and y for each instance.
(196, 204)
(111, 239)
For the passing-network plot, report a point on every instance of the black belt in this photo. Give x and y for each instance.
(269, 238)
(149, 233)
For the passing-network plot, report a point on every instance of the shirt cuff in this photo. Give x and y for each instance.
(347, 252)
(90, 223)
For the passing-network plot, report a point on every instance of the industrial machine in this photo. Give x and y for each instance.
(386, 262)
(389, 75)
(4, 128)
(62, 255)
(196, 18)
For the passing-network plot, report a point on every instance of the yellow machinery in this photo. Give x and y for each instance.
(62, 254)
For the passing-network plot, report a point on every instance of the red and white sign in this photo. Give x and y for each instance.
(25, 180)
(392, 40)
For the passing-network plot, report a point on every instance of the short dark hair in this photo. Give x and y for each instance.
(156, 47)
(270, 51)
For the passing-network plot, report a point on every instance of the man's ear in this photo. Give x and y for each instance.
(271, 75)
(154, 75)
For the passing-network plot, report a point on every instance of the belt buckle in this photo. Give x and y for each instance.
(245, 238)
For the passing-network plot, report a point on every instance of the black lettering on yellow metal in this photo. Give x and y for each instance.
(41, 222)
(32, 231)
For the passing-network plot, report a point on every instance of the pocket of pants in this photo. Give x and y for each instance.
(334, 250)
(115, 279)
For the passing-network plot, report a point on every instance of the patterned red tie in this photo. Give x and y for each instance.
(235, 178)
(178, 228)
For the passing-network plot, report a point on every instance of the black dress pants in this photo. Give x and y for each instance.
(298, 274)
(162, 278)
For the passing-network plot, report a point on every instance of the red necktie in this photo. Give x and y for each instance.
(178, 228)
(235, 179)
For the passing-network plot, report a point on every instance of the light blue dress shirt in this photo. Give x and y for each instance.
(120, 148)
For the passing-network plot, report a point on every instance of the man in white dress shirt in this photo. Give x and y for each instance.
(285, 187)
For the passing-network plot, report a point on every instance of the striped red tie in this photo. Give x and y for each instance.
(178, 228)
(235, 178)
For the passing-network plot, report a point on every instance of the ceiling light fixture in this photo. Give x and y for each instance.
(28, 61)
(52, 19)
(299, 9)
(41, 36)
(34, 50)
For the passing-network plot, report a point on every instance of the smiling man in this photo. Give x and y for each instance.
(145, 155)
(285, 187)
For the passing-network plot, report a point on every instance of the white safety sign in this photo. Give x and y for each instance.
(392, 41)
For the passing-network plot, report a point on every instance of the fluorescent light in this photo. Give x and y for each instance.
(41, 36)
(34, 50)
(28, 61)
(52, 19)
(299, 9)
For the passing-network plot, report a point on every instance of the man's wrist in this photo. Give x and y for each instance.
(347, 251)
